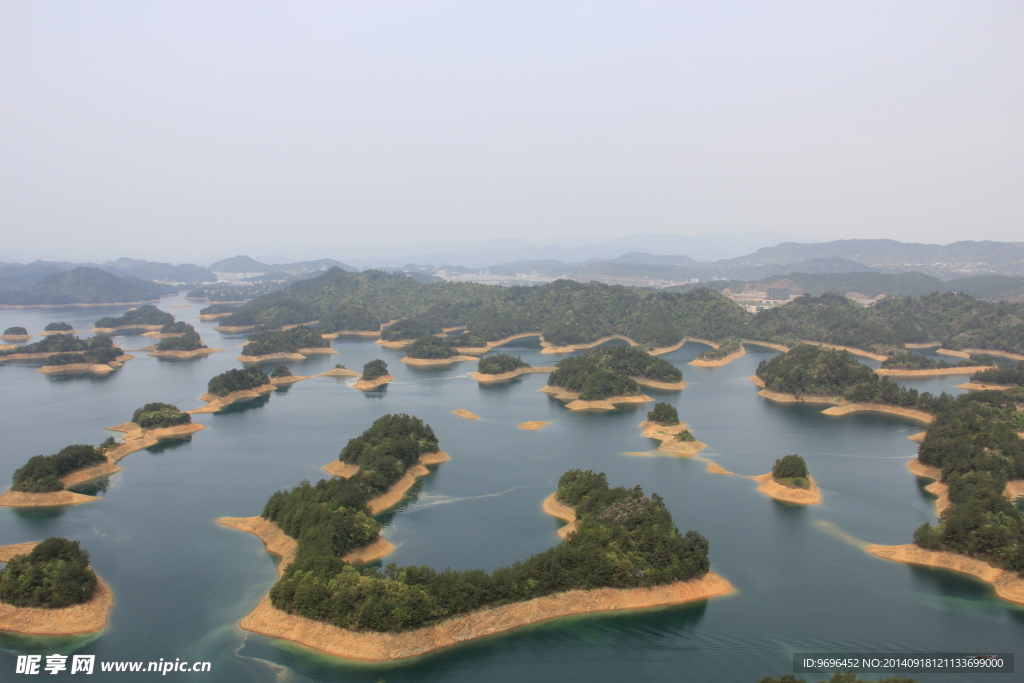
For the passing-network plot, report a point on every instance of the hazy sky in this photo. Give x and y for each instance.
(177, 129)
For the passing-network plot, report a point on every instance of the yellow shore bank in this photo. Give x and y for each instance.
(533, 425)
(1008, 585)
(394, 495)
(88, 617)
(467, 414)
(936, 488)
(847, 408)
(667, 437)
(489, 379)
(184, 355)
(569, 348)
(848, 349)
(983, 386)
(934, 372)
(787, 494)
(576, 404)
(560, 510)
(435, 361)
(371, 384)
(718, 362)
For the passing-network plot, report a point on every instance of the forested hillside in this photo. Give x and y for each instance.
(85, 285)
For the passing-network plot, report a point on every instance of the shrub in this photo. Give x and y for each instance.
(664, 414)
(374, 369)
(55, 574)
(237, 380)
(156, 415)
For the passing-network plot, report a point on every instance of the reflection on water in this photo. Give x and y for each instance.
(182, 582)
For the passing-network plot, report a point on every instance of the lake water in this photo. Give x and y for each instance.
(181, 581)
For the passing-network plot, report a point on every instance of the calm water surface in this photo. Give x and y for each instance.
(182, 582)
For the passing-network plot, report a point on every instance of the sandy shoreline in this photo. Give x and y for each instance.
(718, 362)
(383, 646)
(936, 488)
(533, 425)
(1002, 354)
(576, 404)
(18, 337)
(557, 508)
(933, 372)
(665, 386)
(484, 378)
(983, 386)
(300, 354)
(47, 333)
(213, 316)
(847, 408)
(435, 361)
(792, 398)
(1008, 585)
(195, 353)
(394, 495)
(125, 328)
(480, 350)
(466, 414)
(98, 369)
(951, 352)
(848, 349)
(216, 403)
(371, 384)
(569, 348)
(280, 543)
(667, 437)
(87, 617)
(768, 485)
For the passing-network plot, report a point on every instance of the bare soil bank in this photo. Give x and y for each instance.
(371, 384)
(787, 494)
(469, 415)
(893, 372)
(936, 488)
(212, 316)
(1008, 585)
(667, 437)
(280, 543)
(184, 355)
(846, 408)
(982, 386)
(665, 386)
(605, 404)
(301, 354)
(557, 508)
(20, 499)
(718, 362)
(849, 349)
(480, 350)
(215, 403)
(792, 398)
(533, 425)
(435, 361)
(394, 495)
(501, 377)
(17, 337)
(88, 617)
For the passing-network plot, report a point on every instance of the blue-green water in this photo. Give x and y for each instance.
(181, 582)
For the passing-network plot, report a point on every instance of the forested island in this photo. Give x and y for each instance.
(1012, 376)
(820, 374)
(410, 329)
(231, 381)
(16, 333)
(146, 316)
(972, 449)
(375, 374)
(58, 328)
(48, 588)
(499, 367)
(609, 373)
(790, 482)
(214, 311)
(295, 343)
(728, 350)
(431, 350)
(84, 285)
(623, 541)
(186, 344)
(571, 313)
(68, 353)
(662, 424)
(42, 473)
(906, 364)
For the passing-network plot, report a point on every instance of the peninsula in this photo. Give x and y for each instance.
(33, 602)
(426, 619)
(145, 317)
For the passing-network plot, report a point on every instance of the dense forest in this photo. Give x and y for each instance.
(54, 574)
(99, 356)
(147, 314)
(609, 371)
(664, 414)
(64, 343)
(623, 540)
(42, 473)
(281, 371)
(217, 309)
(973, 442)
(58, 327)
(500, 363)
(85, 285)
(374, 369)
(905, 360)
(807, 370)
(188, 341)
(410, 328)
(265, 342)
(1011, 376)
(431, 347)
(157, 415)
(237, 380)
(791, 470)
(16, 332)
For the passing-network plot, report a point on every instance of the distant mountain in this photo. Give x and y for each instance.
(638, 257)
(245, 264)
(164, 272)
(86, 285)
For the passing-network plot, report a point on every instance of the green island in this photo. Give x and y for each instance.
(146, 315)
(99, 356)
(727, 348)
(567, 313)
(159, 415)
(238, 380)
(269, 342)
(500, 363)
(623, 539)
(664, 414)
(42, 473)
(409, 328)
(808, 371)
(375, 369)
(98, 346)
(431, 348)
(58, 327)
(280, 371)
(974, 448)
(54, 574)
(218, 309)
(791, 471)
(1012, 376)
(188, 341)
(609, 371)
(905, 360)
(16, 332)
(85, 285)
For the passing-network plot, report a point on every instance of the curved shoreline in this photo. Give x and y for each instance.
(385, 646)
(898, 372)
(299, 354)
(213, 316)
(124, 328)
(560, 510)
(655, 384)
(848, 349)
(787, 494)
(532, 425)
(182, 355)
(216, 403)
(549, 348)
(371, 384)
(484, 378)
(1001, 354)
(951, 352)
(280, 543)
(936, 488)
(983, 386)
(435, 361)
(910, 413)
(604, 404)
(718, 362)
(1008, 585)
(480, 350)
(667, 437)
(87, 617)
(791, 398)
(396, 493)
(96, 369)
